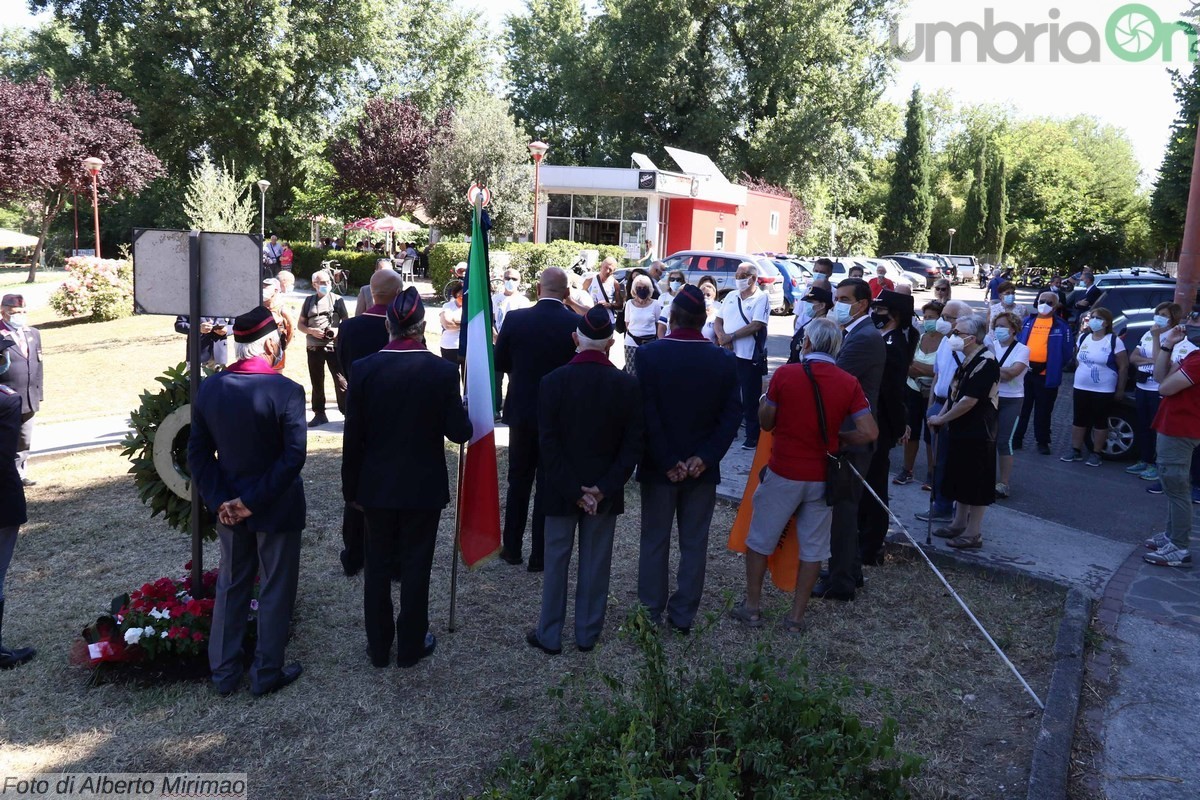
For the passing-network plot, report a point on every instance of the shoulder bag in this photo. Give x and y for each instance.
(839, 479)
(759, 359)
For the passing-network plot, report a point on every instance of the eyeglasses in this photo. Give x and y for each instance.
(940, 289)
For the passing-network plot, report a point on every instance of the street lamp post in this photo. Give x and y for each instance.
(952, 232)
(263, 185)
(93, 165)
(538, 151)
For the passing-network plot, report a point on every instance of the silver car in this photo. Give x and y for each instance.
(695, 264)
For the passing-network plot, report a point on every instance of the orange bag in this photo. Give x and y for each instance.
(784, 563)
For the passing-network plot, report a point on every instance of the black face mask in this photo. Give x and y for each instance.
(880, 320)
(1193, 335)
(643, 292)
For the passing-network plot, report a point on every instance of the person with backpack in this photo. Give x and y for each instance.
(1102, 365)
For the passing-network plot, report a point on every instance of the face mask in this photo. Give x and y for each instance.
(929, 325)
(511, 285)
(841, 313)
(6, 363)
(277, 358)
(1045, 308)
(17, 320)
(709, 301)
(675, 286)
(322, 290)
(820, 276)
(1096, 325)
(810, 310)
(944, 326)
(1002, 335)
(1160, 321)
(642, 292)
(956, 343)
(743, 284)
(1009, 299)
(1193, 336)
(880, 320)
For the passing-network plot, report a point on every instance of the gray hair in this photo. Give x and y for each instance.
(750, 265)
(415, 331)
(823, 336)
(593, 344)
(323, 274)
(959, 309)
(974, 324)
(256, 348)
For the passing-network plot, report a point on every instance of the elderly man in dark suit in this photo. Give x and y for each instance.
(692, 401)
(246, 451)
(532, 343)
(585, 478)
(403, 403)
(25, 375)
(12, 495)
(361, 336)
(863, 355)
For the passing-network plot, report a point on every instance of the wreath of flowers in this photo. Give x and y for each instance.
(153, 488)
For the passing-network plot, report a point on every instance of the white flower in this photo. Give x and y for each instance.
(162, 635)
(164, 613)
(148, 631)
(132, 635)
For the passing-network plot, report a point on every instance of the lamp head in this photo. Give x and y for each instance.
(263, 185)
(538, 150)
(93, 165)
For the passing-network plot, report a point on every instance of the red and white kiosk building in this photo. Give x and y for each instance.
(695, 208)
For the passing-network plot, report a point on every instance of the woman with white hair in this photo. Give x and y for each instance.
(641, 319)
(970, 419)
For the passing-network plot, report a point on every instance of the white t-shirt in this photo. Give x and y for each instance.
(608, 295)
(504, 303)
(664, 315)
(1093, 373)
(1146, 371)
(641, 321)
(755, 309)
(1019, 355)
(453, 312)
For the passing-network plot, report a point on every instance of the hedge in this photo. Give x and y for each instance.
(307, 260)
(527, 258)
(442, 258)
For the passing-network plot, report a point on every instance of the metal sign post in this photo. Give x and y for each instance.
(194, 367)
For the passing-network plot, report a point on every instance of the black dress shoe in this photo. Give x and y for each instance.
(585, 648)
(1044, 449)
(531, 639)
(509, 557)
(823, 578)
(825, 592)
(287, 676)
(377, 662)
(535, 566)
(227, 688)
(318, 419)
(15, 658)
(350, 566)
(28, 482)
(430, 646)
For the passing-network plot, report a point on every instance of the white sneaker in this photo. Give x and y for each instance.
(1157, 540)
(1169, 556)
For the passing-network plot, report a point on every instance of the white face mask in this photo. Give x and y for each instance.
(841, 312)
(1096, 325)
(511, 285)
(944, 327)
(956, 343)
(1160, 321)
(675, 286)
(1045, 308)
(743, 284)
(17, 320)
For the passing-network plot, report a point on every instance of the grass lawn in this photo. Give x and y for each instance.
(348, 730)
(12, 279)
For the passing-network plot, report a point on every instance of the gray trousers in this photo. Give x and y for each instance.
(845, 560)
(591, 585)
(1174, 470)
(691, 503)
(275, 557)
(8, 542)
(24, 443)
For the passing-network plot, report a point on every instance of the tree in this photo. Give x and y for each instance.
(486, 147)
(910, 205)
(217, 200)
(1168, 203)
(975, 217)
(997, 212)
(46, 138)
(386, 154)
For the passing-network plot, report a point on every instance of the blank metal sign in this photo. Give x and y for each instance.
(230, 272)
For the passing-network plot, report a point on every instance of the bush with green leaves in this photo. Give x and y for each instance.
(761, 728)
(442, 258)
(306, 260)
(527, 258)
(99, 288)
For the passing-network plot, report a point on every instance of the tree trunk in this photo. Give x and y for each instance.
(49, 212)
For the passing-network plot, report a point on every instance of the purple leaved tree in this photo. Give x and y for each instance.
(47, 134)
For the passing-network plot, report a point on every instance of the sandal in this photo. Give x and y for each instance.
(749, 618)
(948, 532)
(791, 627)
(966, 543)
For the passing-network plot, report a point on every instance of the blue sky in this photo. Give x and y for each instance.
(1134, 96)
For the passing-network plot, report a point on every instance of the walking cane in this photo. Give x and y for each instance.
(933, 434)
(457, 531)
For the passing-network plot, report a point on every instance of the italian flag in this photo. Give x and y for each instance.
(479, 483)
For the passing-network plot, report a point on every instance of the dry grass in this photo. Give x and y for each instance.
(348, 730)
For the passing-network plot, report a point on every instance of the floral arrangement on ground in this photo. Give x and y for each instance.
(159, 631)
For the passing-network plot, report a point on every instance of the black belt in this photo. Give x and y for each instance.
(940, 399)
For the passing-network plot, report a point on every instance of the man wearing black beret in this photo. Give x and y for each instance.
(403, 403)
(247, 446)
(585, 478)
(12, 495)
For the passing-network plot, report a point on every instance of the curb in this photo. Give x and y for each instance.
(1048, 772)
(63, 452)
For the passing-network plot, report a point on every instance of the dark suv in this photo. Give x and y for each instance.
(922, 266)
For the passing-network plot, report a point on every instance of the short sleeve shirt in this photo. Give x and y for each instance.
(1093, 374)
(797, 452)
(1179, 414)
(736, 313)
(979, 378)
(1019, 355)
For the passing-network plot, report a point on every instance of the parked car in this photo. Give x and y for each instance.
(796, 277)
(695, 264)
(930, 269)
(894, 273)
(966, 266)
(1137, 276)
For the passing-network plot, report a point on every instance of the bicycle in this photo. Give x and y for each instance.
(339, 279)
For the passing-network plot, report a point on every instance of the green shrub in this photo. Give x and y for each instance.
(442, 258)
(528, 258)
(306, 260)
(761, 729)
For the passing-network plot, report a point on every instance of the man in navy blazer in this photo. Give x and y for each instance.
(403, 403)
(246, 450)
(361, 336)
(25, 374)
(532, 343)
(585, 476)
(692, 401)
(12, 495)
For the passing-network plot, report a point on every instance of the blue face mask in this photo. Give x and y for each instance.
(841, 313)
(1002, 335)
(6, 363)
(675, 285)
(323, 289)
(929, 325)
(1009, 299)
(810, 310)
(1096, 324)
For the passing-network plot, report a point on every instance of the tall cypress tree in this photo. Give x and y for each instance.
(975, 215)
(996, 228)
(910, 204)
(1168, 203)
